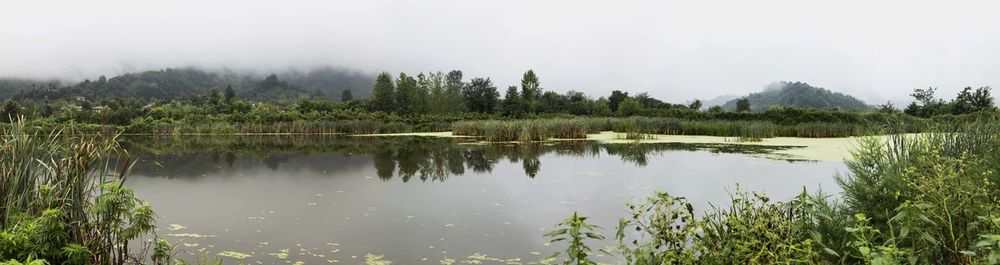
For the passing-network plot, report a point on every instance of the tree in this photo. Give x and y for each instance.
(229, 94)
(513, 105)
(552, 102)
(629, 107)
(983, 100)
(452, 100)
(480, 95)
(579, 104)
(437, 88)
(531, 89)
(406, 94)
(422, 94)
(615, 99)
(346, 95)
(383, 98)
(601, 107)
(925, 104)
(743, 105)
(214, 97)
(696, 105)
(715, 109)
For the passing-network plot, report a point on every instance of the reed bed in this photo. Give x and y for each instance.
(643, 127)
(523, 130)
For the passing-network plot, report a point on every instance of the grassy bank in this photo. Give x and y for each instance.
(925, 199)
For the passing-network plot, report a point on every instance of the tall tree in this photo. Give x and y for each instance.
(743, 105)
(422, 94)
(437, 87)
(452, 100)
(383, 93)
(406, 94)
(531, 89)
(480, 95)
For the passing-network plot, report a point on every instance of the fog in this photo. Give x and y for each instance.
(676, 50)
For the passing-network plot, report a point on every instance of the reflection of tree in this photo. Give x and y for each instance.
(429, 159)
(385, 165)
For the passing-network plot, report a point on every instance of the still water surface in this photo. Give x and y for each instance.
(319, 200)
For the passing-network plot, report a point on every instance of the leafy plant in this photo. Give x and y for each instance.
(575, 230)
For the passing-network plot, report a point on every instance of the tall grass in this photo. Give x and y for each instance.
(642, 127)
(62, 199)
(522, 130)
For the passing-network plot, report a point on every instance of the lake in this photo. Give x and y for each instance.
(422, 200)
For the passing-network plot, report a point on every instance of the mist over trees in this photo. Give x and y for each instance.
(182, 83)
(799, 95)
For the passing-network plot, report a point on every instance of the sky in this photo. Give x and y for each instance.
(674, 50)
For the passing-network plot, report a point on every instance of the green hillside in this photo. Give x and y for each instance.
(800, 95)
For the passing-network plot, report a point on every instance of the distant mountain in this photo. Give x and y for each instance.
(800, 95)
(188, 82)
(718, 101)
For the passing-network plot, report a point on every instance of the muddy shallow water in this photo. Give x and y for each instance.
(422, 200)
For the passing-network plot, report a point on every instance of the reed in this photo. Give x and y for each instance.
(63, 199)
(523, 130)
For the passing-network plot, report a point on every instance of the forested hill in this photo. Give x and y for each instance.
(799, 95)
(181, 83)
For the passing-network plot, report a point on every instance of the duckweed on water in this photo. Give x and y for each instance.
(191, 235)
(281, 254)
(235, 255)
(372, 259)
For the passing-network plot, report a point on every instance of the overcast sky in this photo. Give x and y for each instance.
(676, 50)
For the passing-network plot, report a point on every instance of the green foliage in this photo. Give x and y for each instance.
(743, 105)
(914, 199)
(48, 208)
(667, 227)
(575, 231)
(383, 95)
(480, 95)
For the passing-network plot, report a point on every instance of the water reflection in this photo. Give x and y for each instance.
(263, 195)
(406, 158)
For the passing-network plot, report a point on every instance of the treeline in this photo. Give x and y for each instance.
(925, 104)
(432, 102)
(440, 93)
